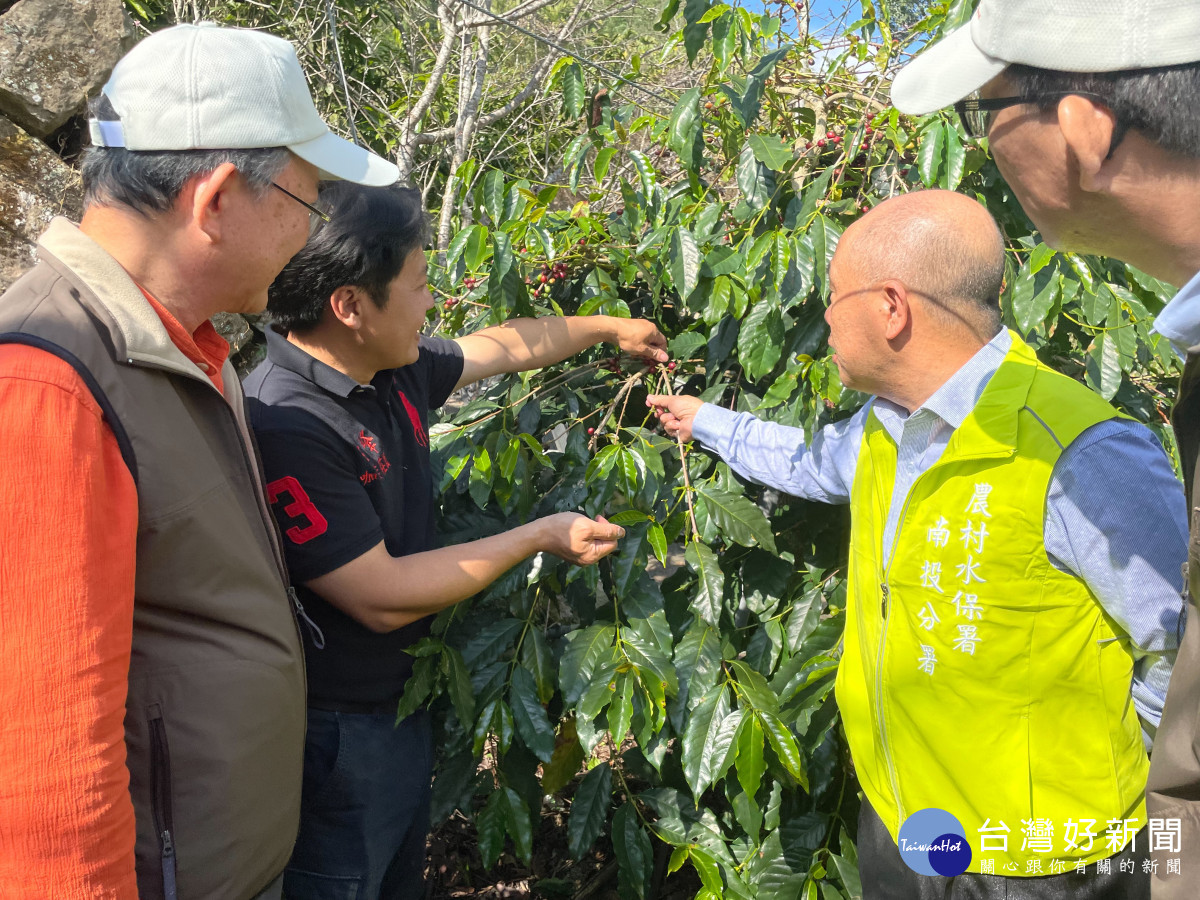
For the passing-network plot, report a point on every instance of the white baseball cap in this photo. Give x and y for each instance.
(205, 87)
(1062, 35)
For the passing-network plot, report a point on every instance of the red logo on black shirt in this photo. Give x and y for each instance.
(413, 416)
(377, 462)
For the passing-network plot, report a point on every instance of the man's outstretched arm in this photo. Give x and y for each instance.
(385, 592)
(522, 344)
(766, 452)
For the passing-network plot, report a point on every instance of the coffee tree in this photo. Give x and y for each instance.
(681, 692)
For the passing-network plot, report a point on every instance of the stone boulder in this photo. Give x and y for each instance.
(55, 54)
(35, 185)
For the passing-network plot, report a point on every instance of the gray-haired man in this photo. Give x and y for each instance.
(151, 674)
(1089, 107)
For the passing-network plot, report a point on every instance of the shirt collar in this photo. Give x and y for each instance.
(955, 399)
(288, 356)
(1179, 322)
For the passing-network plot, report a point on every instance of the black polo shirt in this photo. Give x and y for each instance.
(347, 466)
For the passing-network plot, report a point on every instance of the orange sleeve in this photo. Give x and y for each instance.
(68, 528)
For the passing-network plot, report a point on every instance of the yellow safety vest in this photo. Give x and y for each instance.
(976, 677)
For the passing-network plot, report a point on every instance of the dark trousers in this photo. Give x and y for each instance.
(885, 876)
(364, 810)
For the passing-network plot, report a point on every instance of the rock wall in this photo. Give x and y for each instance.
(55, 55)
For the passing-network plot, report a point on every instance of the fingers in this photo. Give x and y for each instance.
(642, 338)
(598, 551)
(604, 531)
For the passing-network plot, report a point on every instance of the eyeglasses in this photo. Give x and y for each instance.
(324, 217)
(976, 113)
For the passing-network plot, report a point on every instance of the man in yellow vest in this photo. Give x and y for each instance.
(1089, 107)
(1014, 573)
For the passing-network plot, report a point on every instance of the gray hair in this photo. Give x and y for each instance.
(1160, 102)
(149, 181)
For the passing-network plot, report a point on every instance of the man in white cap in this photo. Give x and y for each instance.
(150, 662)
(1090, 110)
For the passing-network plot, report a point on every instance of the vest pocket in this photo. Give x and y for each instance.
(160, 799)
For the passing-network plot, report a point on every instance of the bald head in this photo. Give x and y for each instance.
(943, 246)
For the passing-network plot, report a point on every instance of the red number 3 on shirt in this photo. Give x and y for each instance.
(300, 506)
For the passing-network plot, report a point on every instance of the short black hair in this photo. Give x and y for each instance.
(370, 233)
(1158, 102)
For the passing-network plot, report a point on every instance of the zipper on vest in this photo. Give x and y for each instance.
(314, 630)
(160, 779)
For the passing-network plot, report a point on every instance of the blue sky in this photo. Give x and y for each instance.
(822, 10)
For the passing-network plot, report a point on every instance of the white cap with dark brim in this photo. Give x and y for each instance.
(1066, 36)
(204, 87)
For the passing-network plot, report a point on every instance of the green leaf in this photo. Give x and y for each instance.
(502, 281)
(1103, 373)
(753, 180)
(658, 542)
(787, 751)
(603, 161)
(699, 757)
(956, 157)
(958, 15)
(719, 299)
(529, 716)
(684, 261)
(752, 688)
(459, 244)
(724, 747)
(586, 648)
(1041, 255)
(520, 826)
(780, 391)
(620, 710)
(645, 172)
(685, 344)
(747, 105)
(490, 827)
(684, 121)
(564, 764)
(418, 687)
(574, 157)
(458, 685)
(749, 748)
(634, 854)
(760, 342)
(1031, 312)
(714, 12)
(770, 151)
(697, 662)
(491, 642)
(814, 193)
(493, 195)
(724, 39)
(711, 587)
(848, 872)
(738, 519)
(589, 810)
(804, 617)
(572, 88)
(721, 260)
(538, 658)
(929, 156)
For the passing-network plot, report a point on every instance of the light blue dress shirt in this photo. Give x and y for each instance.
(1179, 322)
(1115, 512)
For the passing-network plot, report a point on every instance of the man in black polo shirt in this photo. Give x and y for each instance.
(340, 408)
